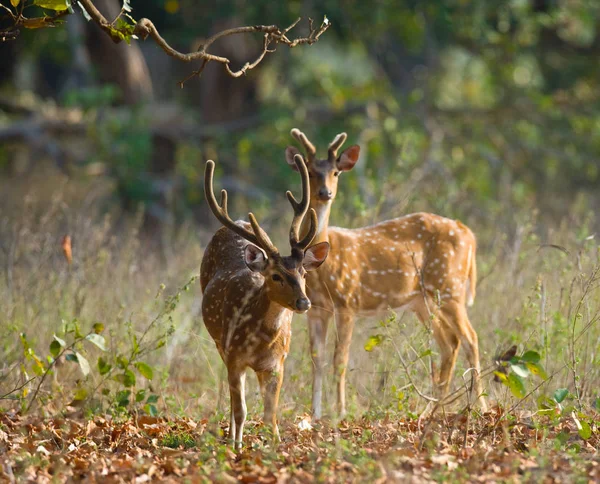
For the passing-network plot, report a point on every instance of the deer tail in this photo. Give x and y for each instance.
(472, 275)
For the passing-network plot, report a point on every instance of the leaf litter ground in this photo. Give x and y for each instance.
(489, 448)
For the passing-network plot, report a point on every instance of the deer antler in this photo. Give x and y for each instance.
(300, 209)
(259, 237)
(335, 145)
(311, 151)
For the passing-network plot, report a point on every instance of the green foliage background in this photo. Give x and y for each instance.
(497, 102)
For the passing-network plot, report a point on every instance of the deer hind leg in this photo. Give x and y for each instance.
(237, 392)
(344, 325)
(318, 321)
(270, 384)
(448, 343)
(468, 337)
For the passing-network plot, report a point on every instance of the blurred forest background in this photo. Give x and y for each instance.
(464, 107)
(480, 110)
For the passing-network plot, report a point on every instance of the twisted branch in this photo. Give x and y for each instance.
(273, 35)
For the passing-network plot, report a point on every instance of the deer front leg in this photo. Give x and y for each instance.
(344, 326)
(270, 383)
(318, 322)
(237, 392)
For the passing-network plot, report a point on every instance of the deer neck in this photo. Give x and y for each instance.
(323, 211)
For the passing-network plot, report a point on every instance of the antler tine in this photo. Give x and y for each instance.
(261, 235)
(300, 209)
(335, 145)
(312, 231)
(219, 210)
(311, 151)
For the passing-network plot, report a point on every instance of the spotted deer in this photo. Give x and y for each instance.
(421, 262)
(250, 292)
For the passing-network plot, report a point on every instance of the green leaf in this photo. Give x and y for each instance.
(55, 348)
(84, 12)
(544, 402)
(60, 341)
(103, 366)
(98, 340)
(502, 377)
(145, 370)
(152, 399)
(520, 370)
(584, 430)
(531, 357)
(373, 342)
(81, 394)
(516, 385)
(560, 394)
(151, 410)
(56, 5)
(122, 398)
(71, 357)
(127, 378)
(83, 364)
(122, 362)
(537, 369)
(140, 395)
(98, 328)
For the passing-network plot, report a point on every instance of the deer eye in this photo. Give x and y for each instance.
(276, 278)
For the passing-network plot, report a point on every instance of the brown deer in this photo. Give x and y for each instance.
(412, 262)
(250, 293)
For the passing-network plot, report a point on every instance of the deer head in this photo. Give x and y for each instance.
(283, 275)
(323, 173)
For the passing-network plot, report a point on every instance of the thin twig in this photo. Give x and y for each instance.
(6, 396)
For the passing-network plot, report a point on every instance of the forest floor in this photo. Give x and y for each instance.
(495, 447)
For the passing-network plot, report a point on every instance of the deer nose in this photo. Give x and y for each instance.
(303, 304)
(325, 194)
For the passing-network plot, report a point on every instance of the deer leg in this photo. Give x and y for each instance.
(270, 382)
(449, 345)
(231, 436)
(428, 314)
(237, 391)
(318, 321)
(468, 337)
(344, 325)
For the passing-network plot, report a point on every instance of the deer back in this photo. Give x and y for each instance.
(391, 263)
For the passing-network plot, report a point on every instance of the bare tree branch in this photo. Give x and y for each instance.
(144, 28)
(273, 35)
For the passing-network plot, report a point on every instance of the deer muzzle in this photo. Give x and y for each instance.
(302, 304)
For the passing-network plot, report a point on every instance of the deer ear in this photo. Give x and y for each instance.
(290, 151)
(314, 256)
(348, 158)
(255, 258)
